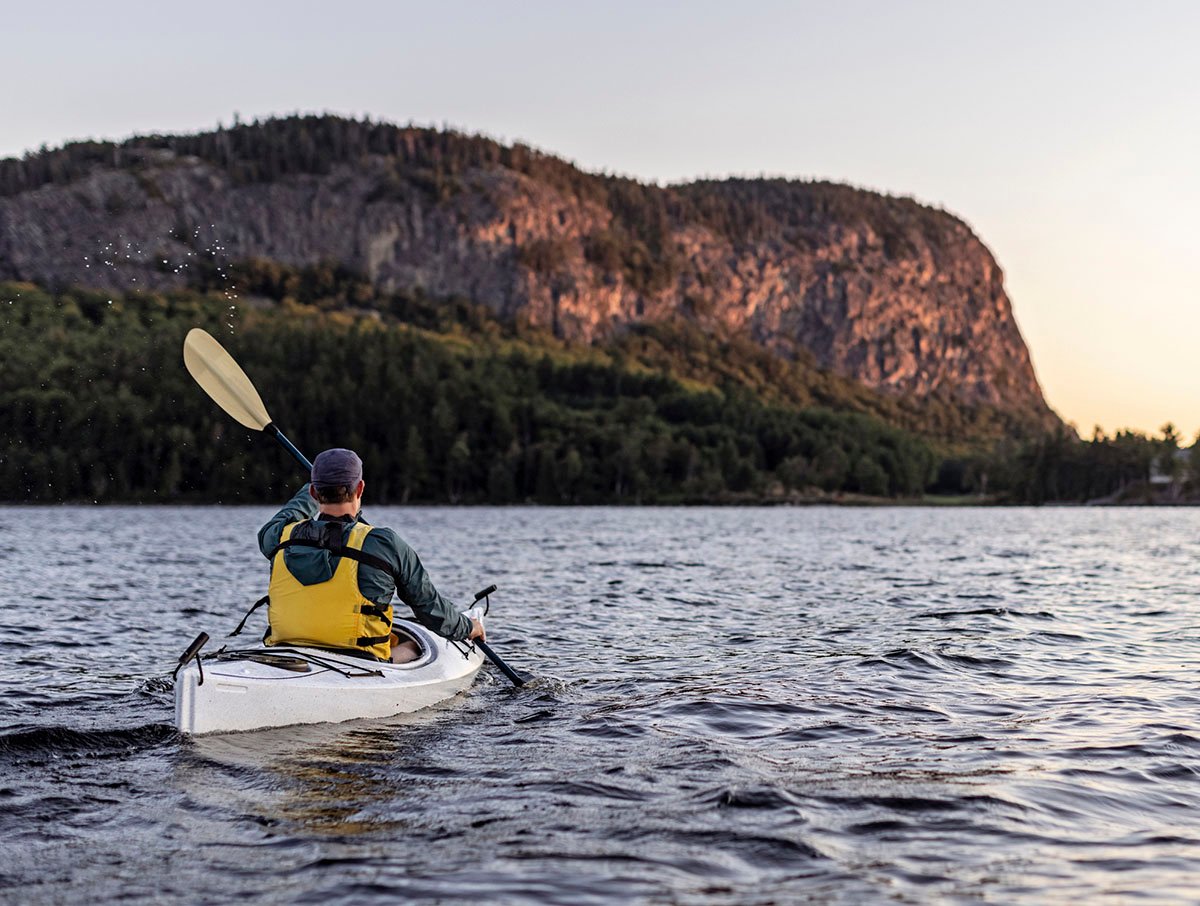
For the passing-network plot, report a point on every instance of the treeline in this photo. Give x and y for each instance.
(95, 405)
(446, 404)
(799, 213)
(1058, 467)
(637, 243)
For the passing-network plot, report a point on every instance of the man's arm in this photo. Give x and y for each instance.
(415, 588)
(301, 506)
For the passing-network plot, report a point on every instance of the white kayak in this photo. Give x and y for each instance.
(255, 688)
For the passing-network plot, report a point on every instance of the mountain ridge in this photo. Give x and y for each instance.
(900, 296)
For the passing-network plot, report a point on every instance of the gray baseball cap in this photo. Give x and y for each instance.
(338, 467)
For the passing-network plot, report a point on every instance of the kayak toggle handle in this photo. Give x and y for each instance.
(487, 602)
(193, 651)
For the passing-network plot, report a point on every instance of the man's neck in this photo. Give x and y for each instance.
(337, 510)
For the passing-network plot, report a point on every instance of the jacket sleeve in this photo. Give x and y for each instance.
(301, 506)
(415, 588)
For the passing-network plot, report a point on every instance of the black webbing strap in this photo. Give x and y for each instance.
(340, 551)
(253, 607)
(375, 610)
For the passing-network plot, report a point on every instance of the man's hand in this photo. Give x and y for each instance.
(477, 630)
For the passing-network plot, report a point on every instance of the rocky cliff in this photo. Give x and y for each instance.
(892, 293)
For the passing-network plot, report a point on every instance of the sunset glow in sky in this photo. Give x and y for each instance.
(1067, 134)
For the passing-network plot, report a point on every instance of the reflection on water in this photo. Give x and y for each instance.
(325, 780)
(735, 706)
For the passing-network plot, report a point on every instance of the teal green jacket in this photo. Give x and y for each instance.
(311, 565)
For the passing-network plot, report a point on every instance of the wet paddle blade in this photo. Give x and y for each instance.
(222, 379)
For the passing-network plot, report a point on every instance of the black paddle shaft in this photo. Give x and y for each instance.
(517, 679)
(274, 431)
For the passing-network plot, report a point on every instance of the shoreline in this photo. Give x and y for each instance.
(848, 501)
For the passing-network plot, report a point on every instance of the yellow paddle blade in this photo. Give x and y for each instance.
(223, 379)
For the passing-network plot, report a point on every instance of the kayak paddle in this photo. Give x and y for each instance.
(224, 381)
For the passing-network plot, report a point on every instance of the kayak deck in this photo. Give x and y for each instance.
(280, 686)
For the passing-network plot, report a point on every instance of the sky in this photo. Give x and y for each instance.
(1067, 134)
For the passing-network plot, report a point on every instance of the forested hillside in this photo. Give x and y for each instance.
(96, 405)
(446, 403)
(897, 296)
(490, 323)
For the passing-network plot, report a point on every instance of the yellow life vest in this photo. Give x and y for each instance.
(332, 614)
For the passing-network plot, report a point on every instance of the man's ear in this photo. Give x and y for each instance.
(358, 492)
(312, 492)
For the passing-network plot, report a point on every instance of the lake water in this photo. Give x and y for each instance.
(734, 706)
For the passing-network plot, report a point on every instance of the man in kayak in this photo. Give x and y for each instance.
(333, 575)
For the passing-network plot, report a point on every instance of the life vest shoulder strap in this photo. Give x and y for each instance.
(339, 550)
(265, 599)
(328, 533)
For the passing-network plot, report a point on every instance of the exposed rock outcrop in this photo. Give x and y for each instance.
(896, 295)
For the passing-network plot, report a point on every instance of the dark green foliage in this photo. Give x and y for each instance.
(798, 213)
(686, 351)
(96, 405)
(647, 269)
(1061, 467)
(1057, 467)
(429, 159)
(606, 250)
(446, 404)
(328, 285)
(544, 256)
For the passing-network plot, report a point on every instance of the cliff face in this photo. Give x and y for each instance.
(883, 290)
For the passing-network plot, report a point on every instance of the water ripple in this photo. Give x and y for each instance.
(732, 706)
